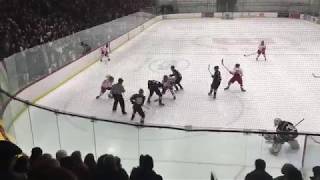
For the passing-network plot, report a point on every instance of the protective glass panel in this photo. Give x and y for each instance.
(76, 134)
(311, 158)
(117, 139)
(45, 130)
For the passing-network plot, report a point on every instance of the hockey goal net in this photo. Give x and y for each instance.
(294, 15)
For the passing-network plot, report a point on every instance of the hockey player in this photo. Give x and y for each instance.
(138, 100)
(106, 85)
(262, 50)
(105, 52)
(216, 80)
(178, 78)
(154, 87)
(168, 83)
(237, 76)
(278, 140)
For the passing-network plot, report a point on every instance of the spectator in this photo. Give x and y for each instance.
(8, 151)
(285, 171)
(39, 21)
(122, 174)
(22, 167)
(116, 91)
(61, 154)
(106, 168)
(316, 173)
(259, 173)
(78, 167)
(36, 153)
(56, 173)
(90, 162)
(145, 170)
(294, 174)
(76, 157)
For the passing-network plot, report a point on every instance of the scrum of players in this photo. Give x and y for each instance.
(171, 83)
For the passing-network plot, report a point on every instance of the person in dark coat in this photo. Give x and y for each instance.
(116, 91)
(259, 173)
(316, 173)
(178, 77)
(285, 171)
(145, 170)
(8, 151)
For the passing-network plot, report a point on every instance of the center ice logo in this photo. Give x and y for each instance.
(164, 65)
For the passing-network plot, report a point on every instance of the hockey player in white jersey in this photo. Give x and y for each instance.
(261, 50)
(168, 83)
(105, 52)
(106, 85)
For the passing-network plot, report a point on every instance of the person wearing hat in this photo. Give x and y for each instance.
(116, 91)
(216, 80)
(138, 100)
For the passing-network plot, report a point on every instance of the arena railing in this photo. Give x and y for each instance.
(195, 151)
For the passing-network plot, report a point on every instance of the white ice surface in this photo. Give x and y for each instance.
(280, 87)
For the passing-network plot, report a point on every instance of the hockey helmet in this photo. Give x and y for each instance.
(172, 67)
(120, 80)
(237, 65)
(216, 67)
(277, 121)
(141, 91)
(165, 77)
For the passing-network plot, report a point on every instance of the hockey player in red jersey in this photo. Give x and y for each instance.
(168, 83)
(262, 50)
(237, 76)
(106, 85)
(105, 52)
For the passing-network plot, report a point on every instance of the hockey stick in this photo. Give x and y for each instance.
(250, 54)
(224, 65)
(299, 122)
(209, 69)
(315, 76)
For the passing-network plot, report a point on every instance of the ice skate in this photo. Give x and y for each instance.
(142, 121)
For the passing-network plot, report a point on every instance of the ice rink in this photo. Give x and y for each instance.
(281, 87)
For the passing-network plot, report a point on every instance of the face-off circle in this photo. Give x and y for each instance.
(160, 65)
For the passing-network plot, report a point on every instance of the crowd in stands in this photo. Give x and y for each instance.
(25, 24)
(14, 165)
